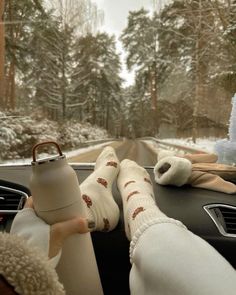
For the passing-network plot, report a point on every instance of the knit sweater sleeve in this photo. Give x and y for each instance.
(34, 230)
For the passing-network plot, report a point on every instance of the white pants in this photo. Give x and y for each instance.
(167, 259)
(170, 260)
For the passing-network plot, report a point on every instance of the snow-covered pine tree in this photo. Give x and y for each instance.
(188, 41)
(226, 149)
(96, 80)
(20, 17)
(225, 76)
(56, 55)
(53, 69)
(140, 39)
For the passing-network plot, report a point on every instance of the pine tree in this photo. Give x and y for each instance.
(39, 45)
(226, 75)
(55, 86)
(140, 39)
(96, 80)
(53, 68)
(20, 17)
(189, 38)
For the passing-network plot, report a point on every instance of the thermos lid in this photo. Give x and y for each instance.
(47, 159)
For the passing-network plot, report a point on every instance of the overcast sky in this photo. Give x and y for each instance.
(116, 11)
(115, 20)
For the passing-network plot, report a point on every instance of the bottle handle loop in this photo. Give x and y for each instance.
(45, 143)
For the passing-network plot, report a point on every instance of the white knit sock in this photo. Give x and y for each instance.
(137, 195)
(96, 191)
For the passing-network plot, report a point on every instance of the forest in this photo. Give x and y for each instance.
(58, 70)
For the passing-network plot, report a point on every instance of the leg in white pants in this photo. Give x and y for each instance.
(167, 259)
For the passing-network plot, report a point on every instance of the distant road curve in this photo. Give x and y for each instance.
(135, 150)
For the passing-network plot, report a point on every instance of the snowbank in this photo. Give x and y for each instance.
(18, 134)
(203, 144)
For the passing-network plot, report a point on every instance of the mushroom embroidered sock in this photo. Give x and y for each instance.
(137, 195)
(96, 191)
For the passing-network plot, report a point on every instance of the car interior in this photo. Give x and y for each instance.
(139, 75)
(211, 215)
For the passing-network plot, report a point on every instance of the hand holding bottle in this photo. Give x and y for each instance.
(48, 238)
(60, 231)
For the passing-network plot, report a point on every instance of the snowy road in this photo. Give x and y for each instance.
(131, 149)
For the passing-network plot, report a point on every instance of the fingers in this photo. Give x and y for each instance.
(72, 226)
(29, 203)
(60, 231)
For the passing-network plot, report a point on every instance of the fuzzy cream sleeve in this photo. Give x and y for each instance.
(34, 230)
(26, 268)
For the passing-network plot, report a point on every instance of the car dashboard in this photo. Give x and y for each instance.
(210, 215)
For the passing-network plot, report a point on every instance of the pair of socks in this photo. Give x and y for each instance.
(102, 211)
(135, 188)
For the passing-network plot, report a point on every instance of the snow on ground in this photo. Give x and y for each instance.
(18, 134)
(68, 154)
(204, 144)
(86, 149)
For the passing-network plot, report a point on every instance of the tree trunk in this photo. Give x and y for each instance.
(93, 113)
(10, 95)
(153, 91)
(197, 94)
(2, 54)
(153, 88)
(63, 81)
(198, 80)
(11, 99)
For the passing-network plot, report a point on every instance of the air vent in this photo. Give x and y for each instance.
(11, 200)
(224, 217)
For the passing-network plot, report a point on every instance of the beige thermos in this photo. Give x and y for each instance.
(56, 196)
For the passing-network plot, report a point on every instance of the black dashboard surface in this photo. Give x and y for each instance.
(112, 249)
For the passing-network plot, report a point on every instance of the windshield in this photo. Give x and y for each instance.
(86, 72)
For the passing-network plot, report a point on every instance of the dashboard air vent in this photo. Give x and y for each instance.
(224, 217)
(11, 200)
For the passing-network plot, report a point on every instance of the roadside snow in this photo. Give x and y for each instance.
(18, 134)
(86, 149)
(68, 154)
(204, 144)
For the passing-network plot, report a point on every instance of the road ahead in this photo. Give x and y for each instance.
(128, 149)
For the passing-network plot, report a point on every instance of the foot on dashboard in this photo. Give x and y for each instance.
(137, 194)
(96, 191)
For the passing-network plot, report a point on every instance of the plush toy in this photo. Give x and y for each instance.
(197, 170)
